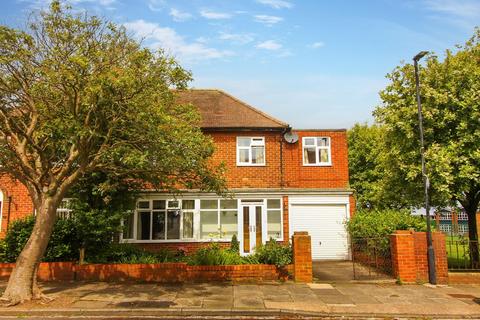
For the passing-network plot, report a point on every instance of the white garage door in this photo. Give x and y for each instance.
(326, 226)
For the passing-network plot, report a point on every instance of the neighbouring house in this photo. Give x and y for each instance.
(282, 179)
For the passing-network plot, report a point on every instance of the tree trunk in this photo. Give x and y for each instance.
(22, 285)
(470, 204)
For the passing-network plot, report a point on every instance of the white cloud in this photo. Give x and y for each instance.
(168, 39)
(156, 5)
(269, 45)
(208, 14)
(201, 40)
(267, 20)
(460, 8)
(276, 4)
(317, 45)
(239, 38)
(179, 16)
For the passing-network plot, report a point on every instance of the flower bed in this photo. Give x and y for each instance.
(158, 272)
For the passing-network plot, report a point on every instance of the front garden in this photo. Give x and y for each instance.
(66, 242)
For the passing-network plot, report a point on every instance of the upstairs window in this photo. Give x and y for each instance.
(250, 151)
(316, 151)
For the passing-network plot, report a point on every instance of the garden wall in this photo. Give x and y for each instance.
(409, 256)
(161, 272)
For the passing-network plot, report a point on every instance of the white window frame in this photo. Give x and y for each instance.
(151, 210)
(281, 217)
(317, 148)
(196, 219)
(218, 210)
(249, 148)
(64, 210)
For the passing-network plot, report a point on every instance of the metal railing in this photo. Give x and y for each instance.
(463, 254)
(371, 258)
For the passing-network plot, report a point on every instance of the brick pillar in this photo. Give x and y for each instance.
(302, 257)
(409, 256)
(441, 261)
(403, 256)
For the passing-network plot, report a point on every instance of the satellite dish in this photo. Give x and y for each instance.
(290, 137)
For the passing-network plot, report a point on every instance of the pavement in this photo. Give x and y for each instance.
(288, 299)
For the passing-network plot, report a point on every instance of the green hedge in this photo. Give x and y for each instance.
(381, 223)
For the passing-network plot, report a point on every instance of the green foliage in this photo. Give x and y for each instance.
(274, 253)
(364, 146)
(451, 110)
(63, 245)
(235, 244)
(16, 237)
(129, 253)
(89, 98)
(382, 223)
(213, 255)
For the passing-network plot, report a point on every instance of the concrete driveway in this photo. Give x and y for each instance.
(335, 271)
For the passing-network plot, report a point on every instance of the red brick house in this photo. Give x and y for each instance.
(283, 180)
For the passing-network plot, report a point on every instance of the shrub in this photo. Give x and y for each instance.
(3, 251)
(213, 255)
(17, 235)
(274, 253)
(382, 223)
(63, 244)
(370, 229)
(235, 244)
(128, 253)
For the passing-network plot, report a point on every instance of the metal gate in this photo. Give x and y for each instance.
(371, 258)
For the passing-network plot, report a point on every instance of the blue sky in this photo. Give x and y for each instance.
(313, 64)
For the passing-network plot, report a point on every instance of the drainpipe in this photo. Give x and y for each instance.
(282, 179)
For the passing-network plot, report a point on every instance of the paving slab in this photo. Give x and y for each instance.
(249, 303)
(320, 286)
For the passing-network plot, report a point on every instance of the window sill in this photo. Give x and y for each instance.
(174, 241)
(318, 165)
(250, 165)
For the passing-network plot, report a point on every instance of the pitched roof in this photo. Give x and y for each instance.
(220, 110)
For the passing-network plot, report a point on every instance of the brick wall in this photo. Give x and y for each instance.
(159, 272)
(302, 257)
(334, 176)
(409, 256)
(295, 175)
(21, 205)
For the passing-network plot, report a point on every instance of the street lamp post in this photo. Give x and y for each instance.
(432, 276)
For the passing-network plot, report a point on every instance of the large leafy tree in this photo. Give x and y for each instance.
(450, 92)
(77, 95)
(364, 148)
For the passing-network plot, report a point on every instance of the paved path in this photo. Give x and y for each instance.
(322, 299)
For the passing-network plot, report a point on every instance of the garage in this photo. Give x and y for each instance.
(325, 222)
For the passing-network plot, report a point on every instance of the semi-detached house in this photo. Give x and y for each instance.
(282, 180)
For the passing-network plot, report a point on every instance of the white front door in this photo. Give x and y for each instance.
(252, 227)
